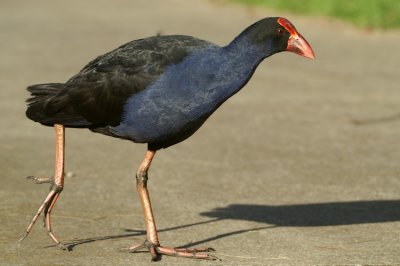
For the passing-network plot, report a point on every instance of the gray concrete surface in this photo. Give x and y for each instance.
(281, 174)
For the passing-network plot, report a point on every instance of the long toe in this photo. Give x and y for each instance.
(208, 249)
(156, 251)
(46, 207)
(134, 248)
(39, 179)
(191, 253)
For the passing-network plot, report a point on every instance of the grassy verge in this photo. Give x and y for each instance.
(372, 14)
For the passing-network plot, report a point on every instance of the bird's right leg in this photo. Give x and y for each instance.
(152, 243)
(57, 185)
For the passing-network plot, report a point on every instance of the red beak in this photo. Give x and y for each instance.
(296, 43)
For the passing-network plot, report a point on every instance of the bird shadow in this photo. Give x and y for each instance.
(127, 233)
(313, 214)
(300, 215)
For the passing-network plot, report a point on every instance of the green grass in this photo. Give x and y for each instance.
(370, 14)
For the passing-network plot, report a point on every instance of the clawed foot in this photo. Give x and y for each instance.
(39, 179)
(46, 207)
(156, 251)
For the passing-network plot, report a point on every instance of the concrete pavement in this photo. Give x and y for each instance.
(301, 167)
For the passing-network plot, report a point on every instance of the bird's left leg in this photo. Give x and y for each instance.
(152, 243)
(57, 185)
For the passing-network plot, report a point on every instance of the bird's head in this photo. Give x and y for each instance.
(296, 43)
(277, 35)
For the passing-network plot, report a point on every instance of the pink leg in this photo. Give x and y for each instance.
(152, 242)
(57, 185)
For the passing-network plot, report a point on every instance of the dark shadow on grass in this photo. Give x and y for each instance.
(301, 215)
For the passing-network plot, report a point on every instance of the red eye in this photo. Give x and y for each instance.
(280, 30)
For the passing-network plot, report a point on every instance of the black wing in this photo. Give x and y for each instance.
(97, 94)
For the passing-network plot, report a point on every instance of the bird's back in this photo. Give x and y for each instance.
(96, 96)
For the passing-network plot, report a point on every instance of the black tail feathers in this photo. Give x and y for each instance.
(40, 92)
(48, 106)
(41, 95)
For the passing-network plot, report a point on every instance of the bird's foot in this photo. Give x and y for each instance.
(40, 179)
(156, 251)
(46, 208)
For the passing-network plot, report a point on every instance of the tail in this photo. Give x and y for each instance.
(48, 106)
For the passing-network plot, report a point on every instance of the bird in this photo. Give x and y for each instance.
(158, 91)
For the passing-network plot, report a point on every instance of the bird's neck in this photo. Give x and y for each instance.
(241, 59)
(243, 48)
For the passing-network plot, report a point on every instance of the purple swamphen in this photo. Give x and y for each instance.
(158, 90)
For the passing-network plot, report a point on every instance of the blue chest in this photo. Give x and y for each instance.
(183, 97)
